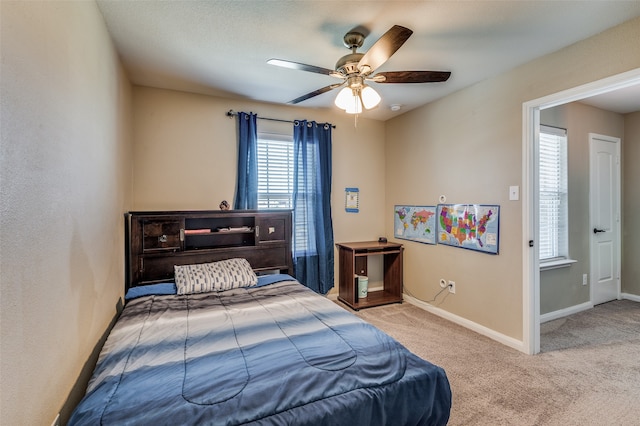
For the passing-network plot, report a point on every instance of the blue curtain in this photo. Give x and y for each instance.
(247, 183)
(313, 229)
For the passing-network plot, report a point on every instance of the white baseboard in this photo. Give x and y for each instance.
(633, 297)
(550, 316)
(499, 337)
(480, 329)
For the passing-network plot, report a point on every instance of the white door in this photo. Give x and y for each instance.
(604, 217)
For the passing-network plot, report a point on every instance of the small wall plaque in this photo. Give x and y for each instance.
(351, 200)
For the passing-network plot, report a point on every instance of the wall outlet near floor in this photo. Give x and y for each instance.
(585, 279)
(452, 287)
(443, 283)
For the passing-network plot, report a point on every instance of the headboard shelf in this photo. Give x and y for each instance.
(156, 241)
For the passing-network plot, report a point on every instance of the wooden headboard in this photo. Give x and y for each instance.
(156, 241)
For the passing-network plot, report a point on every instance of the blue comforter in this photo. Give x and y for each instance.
(273, 355)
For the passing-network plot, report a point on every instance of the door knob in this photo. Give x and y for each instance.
(596, 230)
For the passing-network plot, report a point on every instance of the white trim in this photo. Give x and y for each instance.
(608, 84)
(530, 255)
(628, 296)
(480, 329)
(561, 313)
(530, 263)
(555, 264)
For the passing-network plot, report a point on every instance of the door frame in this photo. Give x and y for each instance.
(530, 132)
(618, 207)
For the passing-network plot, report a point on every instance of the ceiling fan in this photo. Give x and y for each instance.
(355, 69)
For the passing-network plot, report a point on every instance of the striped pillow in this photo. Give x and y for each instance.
(216, 276)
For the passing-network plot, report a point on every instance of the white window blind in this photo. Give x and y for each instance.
(275, 182)
(275, 171)
(554, 229)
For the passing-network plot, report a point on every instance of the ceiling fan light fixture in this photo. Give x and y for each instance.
(349, 101)
(354, 100)
(370, 98)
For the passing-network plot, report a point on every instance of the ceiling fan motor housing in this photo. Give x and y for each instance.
(348, 64)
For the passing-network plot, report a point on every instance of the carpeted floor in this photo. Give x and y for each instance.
(587, 374)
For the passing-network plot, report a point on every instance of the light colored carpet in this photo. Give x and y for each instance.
(589, 373)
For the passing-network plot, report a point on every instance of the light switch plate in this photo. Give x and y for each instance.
(514, 193)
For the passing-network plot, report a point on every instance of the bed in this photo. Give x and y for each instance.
(261, 350)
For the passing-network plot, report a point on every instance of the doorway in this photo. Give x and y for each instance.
(530, 261)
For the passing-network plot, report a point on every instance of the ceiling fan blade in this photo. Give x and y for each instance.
(412, 76)
(298, 66)
(315, 93)
(383, 49)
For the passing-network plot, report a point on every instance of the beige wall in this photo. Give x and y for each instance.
(469, 152)
(185, 156)
(468, 146)
(562, 288)
(65, 170)
(631, 207)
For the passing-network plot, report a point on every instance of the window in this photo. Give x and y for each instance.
(275, 171)
(275, 182)
(554, 244)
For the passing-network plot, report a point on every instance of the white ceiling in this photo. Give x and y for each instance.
(222, 47)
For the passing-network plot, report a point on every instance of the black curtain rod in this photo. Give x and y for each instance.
(232, 113)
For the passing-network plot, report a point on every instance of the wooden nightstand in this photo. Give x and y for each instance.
(352, 258)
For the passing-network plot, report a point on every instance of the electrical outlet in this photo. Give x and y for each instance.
(585, 279)
(452, 287)
(443, 283)
(56, 421)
